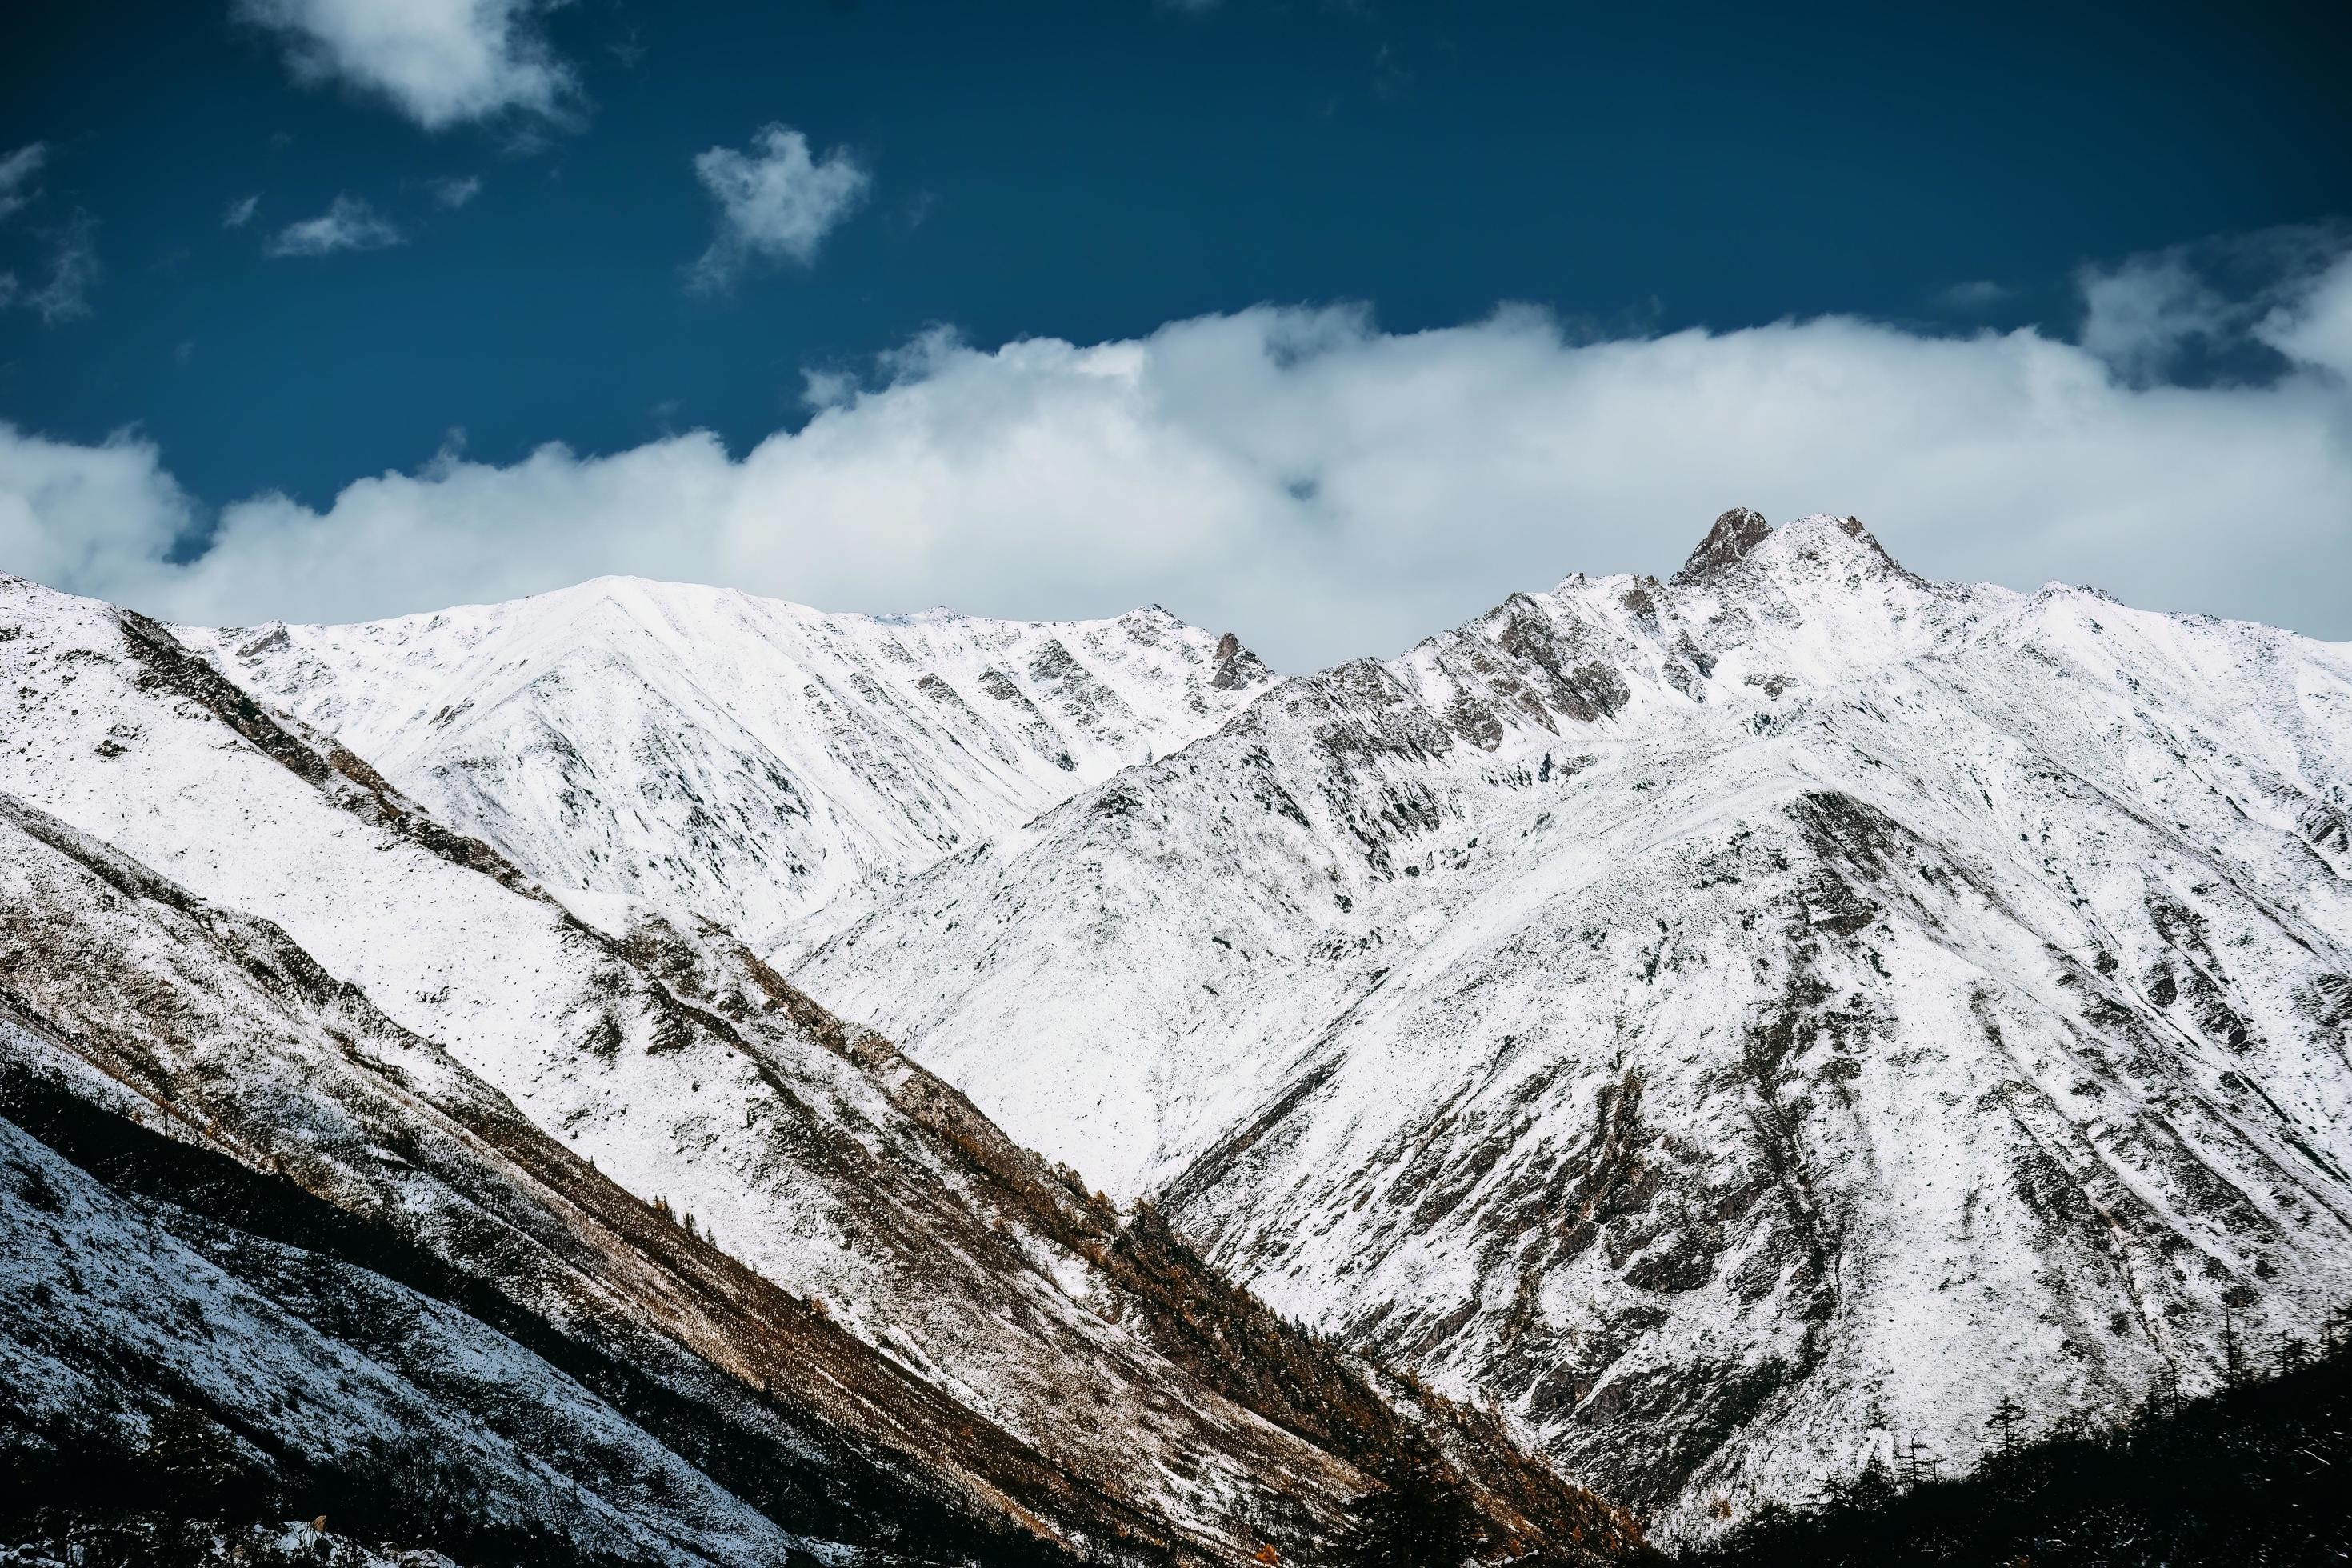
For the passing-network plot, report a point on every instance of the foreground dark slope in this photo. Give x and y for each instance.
(909, 1336)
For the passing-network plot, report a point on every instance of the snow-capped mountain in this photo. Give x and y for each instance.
(1724, 1026)
(1735, 1023)
(747, 760)
(438, 1187)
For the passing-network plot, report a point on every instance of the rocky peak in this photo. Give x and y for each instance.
(1836, 538)
(1735, 533)
(1237, 667)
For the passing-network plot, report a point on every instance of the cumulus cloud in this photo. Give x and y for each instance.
(439, 62)
(240, 212)
(776, 201)
(1322, 486)
(77, 514)
(348, 224)
(17, 172)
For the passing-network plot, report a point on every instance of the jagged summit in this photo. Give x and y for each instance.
(1741, 531)
(1735, 533)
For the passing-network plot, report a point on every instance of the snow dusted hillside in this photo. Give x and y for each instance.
(1730, 1024)
(407, 1077)
(732, 758)
(1735, 1023)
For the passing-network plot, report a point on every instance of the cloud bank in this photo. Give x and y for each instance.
(1324, 488)
(438, 62)
(776, 202)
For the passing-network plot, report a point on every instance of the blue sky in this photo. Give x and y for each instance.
(1332, 322)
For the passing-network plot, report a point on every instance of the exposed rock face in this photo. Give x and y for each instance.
(1735, 533)
(1731, 1023)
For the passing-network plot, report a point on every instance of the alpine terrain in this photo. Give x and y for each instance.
(344, 1172)
(705, 1079)
(1733, 1024)
(739, 759)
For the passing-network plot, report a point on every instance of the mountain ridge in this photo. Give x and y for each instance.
(1721, 1025)
(1815, 759)
(760, 1181)
(707, 754)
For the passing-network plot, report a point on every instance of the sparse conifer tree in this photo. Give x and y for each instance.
(2007, 1416)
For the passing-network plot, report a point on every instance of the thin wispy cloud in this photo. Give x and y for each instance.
(438, 62)
(1977, 294)
(348, 224)
(454, 191)
(17, 172)
(73, 272)
(777, 202)
(240, 212)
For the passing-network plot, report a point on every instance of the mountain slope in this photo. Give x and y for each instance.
(246, 1203)
(938, 1308)
(732, 758)
(1732, 1022)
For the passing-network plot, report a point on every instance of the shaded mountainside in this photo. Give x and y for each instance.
(341, 1152)
(710, 754)
(1727, 1021)
(2250, 1477)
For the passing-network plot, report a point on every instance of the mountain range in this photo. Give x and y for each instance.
(729, 1081)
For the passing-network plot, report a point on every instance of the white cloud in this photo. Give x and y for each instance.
(1323, 487)
(75, 514)
(2137, 316)
(17, 171)
(2146, 315)
(2316, 328)
(348, 224)
(240, 212)
(454, 191)
(439, 62)
(776, 201)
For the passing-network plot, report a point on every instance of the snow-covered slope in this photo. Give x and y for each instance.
(1732, 1022)
(284, 958)
(737, 759)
